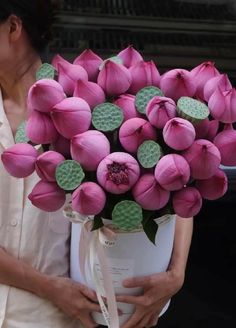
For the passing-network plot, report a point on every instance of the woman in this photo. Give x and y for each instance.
(35, 291)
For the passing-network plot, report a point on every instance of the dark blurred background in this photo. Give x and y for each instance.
(175, 34)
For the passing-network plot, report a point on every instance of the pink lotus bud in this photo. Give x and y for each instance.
(127, 103)
(187, 202)
(130, 56)
(214, 187)
(212, 130)
(225, 141)
(149, 194)
(222, 105)
(47, 196)
(88, 199)
(118, 172)
(134, 132)
(143, 74)
(202, 128)
(19, 160)
(201, 74)
(46, 165)
(160, 110)
(203, 158)
(178, 133)
(89, 148)
(57, 59)
(90, 62)
(177, 83)
(62, 146)
(114, 78)
(172, 172)
(71, 116)
(69, 74)
(91, 92)
(220, 81)
(40, 128)
(45, 94)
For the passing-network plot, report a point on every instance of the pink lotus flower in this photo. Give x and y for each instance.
(225, 141)
(57, 59)
(46, 165)
(178, 133)
(19, 160)
(202, 128)
(114, 78)
(91, 92)
(62, 146)
(220, 81)
(89, 148)
(201, 74)
(69, 74)
(177, 83)
(149, 194)
(47, 196)
(212, 130)
(71, 116)
(88, 199)
(143, 74)
(214, 187)
(203, 158)
(134, 132)
(130, 56)
(172, 172)
(222, 105)
(40, 128)
(160, 110)
(187, 202)
(118, 172)
(44, 94)
(90, 62)
(127, 103)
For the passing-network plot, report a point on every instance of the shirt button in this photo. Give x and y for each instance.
(14, 223)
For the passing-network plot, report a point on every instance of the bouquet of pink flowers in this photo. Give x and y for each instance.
(127, 143)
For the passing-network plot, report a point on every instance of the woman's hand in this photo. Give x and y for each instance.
(74, 299)
(157, 290)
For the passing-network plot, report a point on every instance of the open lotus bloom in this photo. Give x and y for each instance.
(114, 78)
(69, 74)
(134, 132)
(88, 199)
(127, 103)
(118, 172)
(172, 172)
(91, 92)
(204, 159)
(149, 194)
(19, 160)
(222, 105)
(143, 74)
(201, 74)
(45, 94)
(71, 116)
(179, 133)
(214, 187)
(46, 165)
(225, 141)
(160, 110)
(187, 202)
(220, 81)
(177, 83)
(130, 56)
(85, 150)
(62, 146)
(47, 196)
(90, 62)
(40, 128)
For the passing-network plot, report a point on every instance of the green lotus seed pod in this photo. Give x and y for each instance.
(127, 215)
(69, 175)
(107, 117)
(192, 110)
(143, 97)
(21, 136)
(149, 153)
(46, 71)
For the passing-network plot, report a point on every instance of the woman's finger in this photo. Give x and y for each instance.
(134, 320)
(153, 320)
